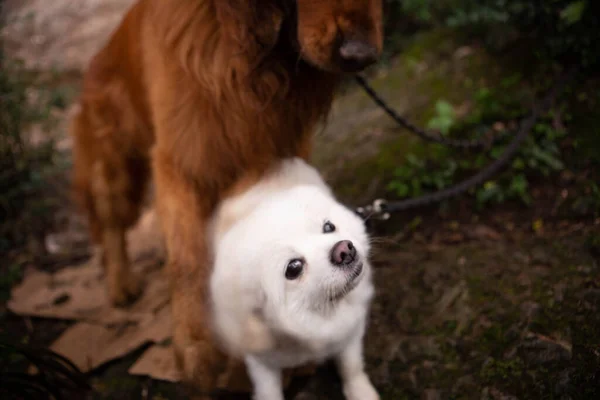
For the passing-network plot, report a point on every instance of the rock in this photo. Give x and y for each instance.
(491, 393)
(559, 292)
(592, 295)
(431, 394)
(496, 394)
(512, 333)
(464, 383)
(463, 52)
(485, 393)
(539, 349)
(563, 383)
(520, 258)
(539, 255)
(455, 237)
(484, 232)
(523, 279)
(530, 310)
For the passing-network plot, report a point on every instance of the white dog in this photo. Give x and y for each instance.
(291, 281)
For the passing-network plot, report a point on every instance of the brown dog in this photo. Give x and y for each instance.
(205, 95)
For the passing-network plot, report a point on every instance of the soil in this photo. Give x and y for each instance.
(502, 303)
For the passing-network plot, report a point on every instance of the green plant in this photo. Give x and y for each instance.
(444, 118)
(420, 10)
(502, 370)
(556, 30)
(417, 176)
(588, 201)
(573, 12)
(24, 209)
(403, 18)
(494, 192)
(441, 167)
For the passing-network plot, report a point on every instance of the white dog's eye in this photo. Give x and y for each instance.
(328, 227)
(294, 269)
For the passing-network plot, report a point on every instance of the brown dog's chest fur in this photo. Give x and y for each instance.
(222, 128)
(215, 146)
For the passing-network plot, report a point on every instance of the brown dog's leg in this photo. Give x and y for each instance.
(182, 213)
(124, 285)
(109, 180)
(117, 203)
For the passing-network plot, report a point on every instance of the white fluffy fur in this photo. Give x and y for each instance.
(275, 323)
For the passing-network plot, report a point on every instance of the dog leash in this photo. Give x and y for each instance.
(381, 209)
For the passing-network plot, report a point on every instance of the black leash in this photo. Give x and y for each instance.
(381, 209)
(423, 134)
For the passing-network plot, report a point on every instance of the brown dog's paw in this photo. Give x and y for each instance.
(199, 364)
(127, 290)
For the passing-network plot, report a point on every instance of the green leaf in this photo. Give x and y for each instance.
(415, 161)
(511, 80)
(402, 172)
(444, 108)
(483, 95)
(444, 118)
(572, 13)
(519, 184)
(533, 163)
(401, 189)
(486, 194)
(496, 152)
(525, 198)
(414, 223)
(416, 186)
(518, 164)
(547, 158)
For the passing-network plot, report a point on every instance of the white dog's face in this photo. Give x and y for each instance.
(313, 250)
(298, 250)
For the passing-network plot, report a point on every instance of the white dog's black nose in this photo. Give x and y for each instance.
(343, 253)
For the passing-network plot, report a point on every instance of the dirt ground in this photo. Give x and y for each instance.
(501, 304)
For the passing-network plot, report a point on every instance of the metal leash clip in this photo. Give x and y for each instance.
(376, 210)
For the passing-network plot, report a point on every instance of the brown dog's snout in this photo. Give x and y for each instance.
(356, 54)
(343, 253)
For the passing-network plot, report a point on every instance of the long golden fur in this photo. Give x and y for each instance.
(204, 95)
